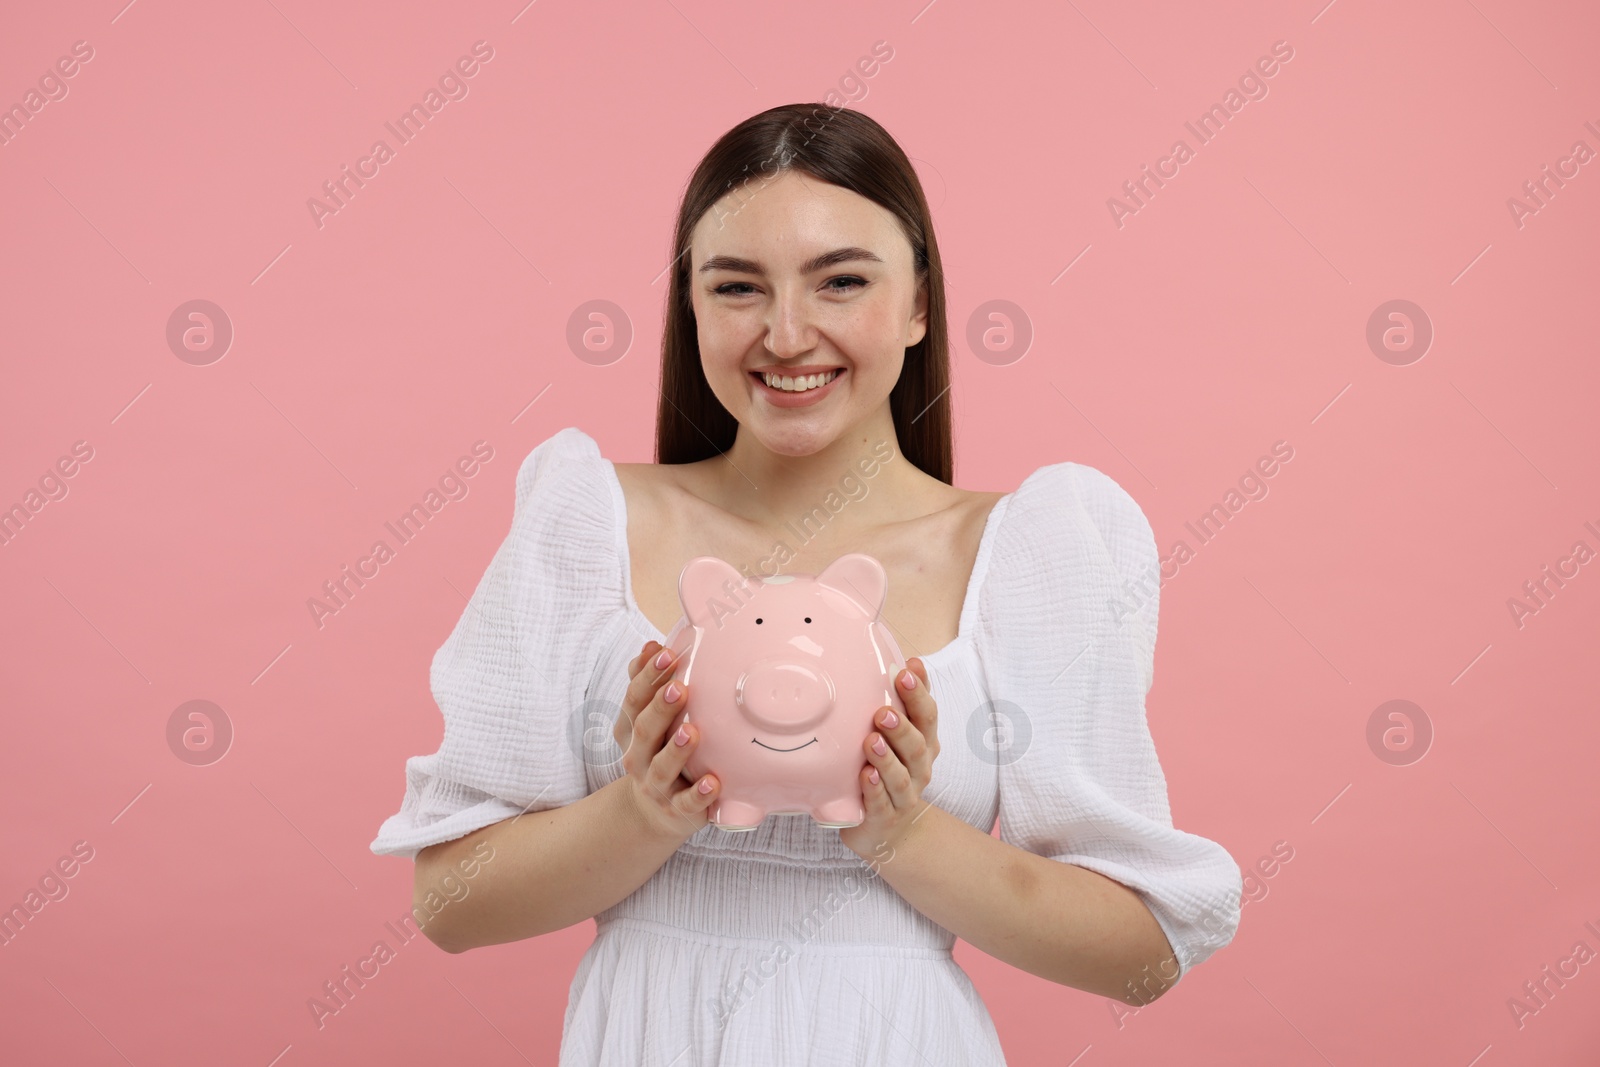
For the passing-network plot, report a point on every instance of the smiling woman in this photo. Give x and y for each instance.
(869, 280)
(806, 329)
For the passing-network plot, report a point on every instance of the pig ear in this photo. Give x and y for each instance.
(705, 592)
(860, 577)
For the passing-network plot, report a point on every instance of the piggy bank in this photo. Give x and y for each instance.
(786, 675)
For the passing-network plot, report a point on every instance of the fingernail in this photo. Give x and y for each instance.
(673, 693)
(890, 719)
(880, 748)
(681, 737)
(908, 680)
(705, 785)
(873, 774)
(665, 658)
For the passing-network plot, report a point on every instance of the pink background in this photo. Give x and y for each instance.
(1227, 314)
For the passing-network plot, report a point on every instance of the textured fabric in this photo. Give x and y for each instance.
(778, 946)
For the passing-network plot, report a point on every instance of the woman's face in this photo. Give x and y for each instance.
(799, 277)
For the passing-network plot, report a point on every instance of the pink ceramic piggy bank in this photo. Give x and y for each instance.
(786, 675)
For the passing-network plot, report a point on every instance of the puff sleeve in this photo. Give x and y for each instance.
(511, 674)
(1067, 630)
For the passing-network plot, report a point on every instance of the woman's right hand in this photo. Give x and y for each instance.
(654, 763)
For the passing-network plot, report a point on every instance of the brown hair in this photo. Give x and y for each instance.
(844, 148)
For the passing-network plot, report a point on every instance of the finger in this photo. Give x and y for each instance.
(874, 798)
(647, 729)
(918, 699)
(645, 653)
(905, 739)
(649, 678)
(657, 719)
(622, 729)
(642, 680)
(669, 769)
(895, 779)
(688, 799)
(667, 766)
(921, 709)
(695, 797)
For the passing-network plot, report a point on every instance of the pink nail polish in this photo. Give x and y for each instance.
(704, 786)
(664, 658)
(681, 737)
(908, 680)
(880, 748)
(672, 694)
(873, 774)
(890, 719)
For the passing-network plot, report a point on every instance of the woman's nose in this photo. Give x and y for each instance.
(789, 328)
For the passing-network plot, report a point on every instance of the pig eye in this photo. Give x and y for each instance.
(758, 622)
(808, 618)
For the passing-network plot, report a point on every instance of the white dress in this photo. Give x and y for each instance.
(777, 946)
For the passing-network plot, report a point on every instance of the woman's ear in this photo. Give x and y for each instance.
(917, 329)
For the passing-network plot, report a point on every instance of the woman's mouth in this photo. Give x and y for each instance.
(789, 391)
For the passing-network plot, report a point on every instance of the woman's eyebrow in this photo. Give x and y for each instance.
(816, 263)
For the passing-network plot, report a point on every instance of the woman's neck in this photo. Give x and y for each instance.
(766, 487)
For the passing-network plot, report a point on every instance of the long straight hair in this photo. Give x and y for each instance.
(844, 148)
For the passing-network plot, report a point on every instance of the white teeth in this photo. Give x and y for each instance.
(799, 385)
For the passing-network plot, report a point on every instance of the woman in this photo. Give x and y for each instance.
(804, 414)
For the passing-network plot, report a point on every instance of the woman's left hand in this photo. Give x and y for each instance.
(893, 780)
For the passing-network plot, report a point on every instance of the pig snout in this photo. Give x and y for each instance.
(785, 695)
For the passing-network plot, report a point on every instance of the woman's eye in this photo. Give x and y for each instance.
(850, 282)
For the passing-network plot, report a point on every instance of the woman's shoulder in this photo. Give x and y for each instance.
(569, 458)
(563, 490)
(977, 512)
(1074, 560)
(1048, 500)
(656, 475)
(646, 479)
(566, 448)
(656, 492)
(1069, 526)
